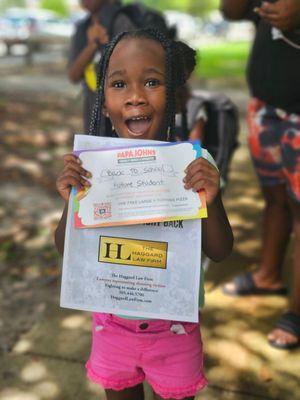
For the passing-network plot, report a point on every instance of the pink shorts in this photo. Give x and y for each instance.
(167, 354)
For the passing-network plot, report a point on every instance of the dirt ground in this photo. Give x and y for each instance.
(37, 128)
(35, 132)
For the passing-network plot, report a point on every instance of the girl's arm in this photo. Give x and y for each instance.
(60, 231)
(76, 69)
(217, 238)
(96, 35)
(72, 175)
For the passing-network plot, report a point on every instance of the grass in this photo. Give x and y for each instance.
(222, 60)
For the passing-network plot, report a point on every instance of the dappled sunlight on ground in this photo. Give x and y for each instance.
(44, 347)
(235, 328)
(76, 322)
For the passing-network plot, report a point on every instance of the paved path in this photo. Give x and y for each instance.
(38, 83)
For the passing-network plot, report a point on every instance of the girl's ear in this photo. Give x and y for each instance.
(105, 112)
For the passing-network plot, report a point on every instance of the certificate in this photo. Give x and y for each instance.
(138, 184)
(149, 270)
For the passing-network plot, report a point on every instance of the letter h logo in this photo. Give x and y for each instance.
(113, 251)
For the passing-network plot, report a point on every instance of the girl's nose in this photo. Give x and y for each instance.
(136, 97)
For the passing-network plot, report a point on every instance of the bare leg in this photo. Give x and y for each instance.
(295, 301)
(277, 228)
(134, 393)
(279, 335)
(275, 237)
(157, 397)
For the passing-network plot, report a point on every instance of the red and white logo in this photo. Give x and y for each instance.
(102, 210)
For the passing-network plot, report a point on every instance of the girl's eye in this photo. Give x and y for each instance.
(152, 82)
(118, 84)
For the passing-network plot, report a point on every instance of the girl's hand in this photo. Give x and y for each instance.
(201, 174)
(72, 175)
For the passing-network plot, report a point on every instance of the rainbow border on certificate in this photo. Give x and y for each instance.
(202, 212)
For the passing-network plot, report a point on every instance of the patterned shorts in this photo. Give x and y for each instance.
(274, 140)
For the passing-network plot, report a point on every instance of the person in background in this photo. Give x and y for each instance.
(91, 34)
(274, 140)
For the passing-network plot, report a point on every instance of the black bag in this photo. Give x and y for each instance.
(145, 17)
(221, 128)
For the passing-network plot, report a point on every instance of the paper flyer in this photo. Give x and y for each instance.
(138, 184)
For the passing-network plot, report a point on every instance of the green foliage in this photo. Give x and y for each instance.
(59, 6)
(203, 7)
(4, 4)
(222, 60)
(198, 8)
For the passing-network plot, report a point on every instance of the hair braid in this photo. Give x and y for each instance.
(97, 116)
(170, 103)
(187, 57)
(184, 123)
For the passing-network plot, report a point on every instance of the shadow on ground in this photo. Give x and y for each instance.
(43, 348)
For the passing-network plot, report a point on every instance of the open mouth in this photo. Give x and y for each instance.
(138, 126)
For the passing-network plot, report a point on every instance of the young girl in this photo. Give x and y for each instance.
(139, 74)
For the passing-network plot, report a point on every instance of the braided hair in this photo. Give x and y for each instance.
(175, 76)
(189, 58)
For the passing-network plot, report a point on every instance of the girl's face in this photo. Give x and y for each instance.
(135, 88)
